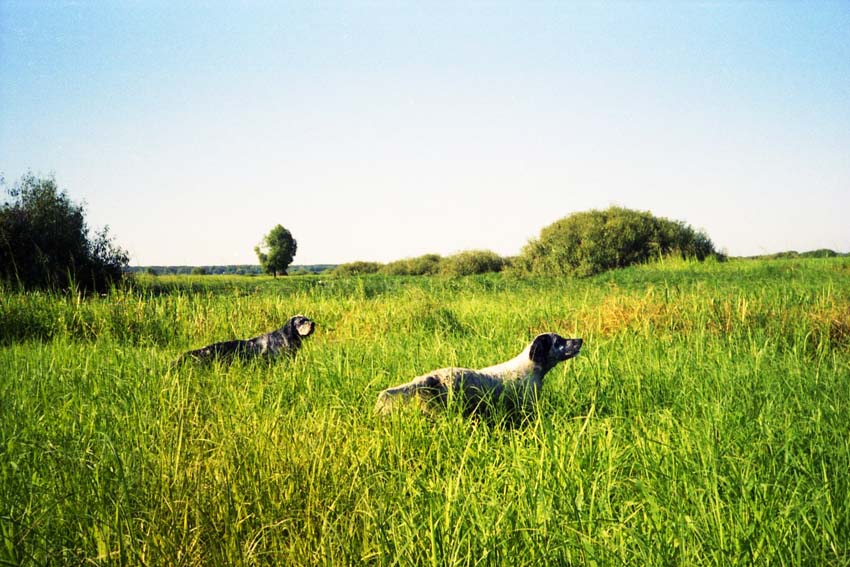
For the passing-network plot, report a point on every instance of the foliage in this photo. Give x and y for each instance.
(230, 269)
(704, 423)
(820, 253)
(591, 242)
(471, 262)
(425, 265)
(240, 269)
(276, 251)
(467, 263)
(45, 242)
(358, 268)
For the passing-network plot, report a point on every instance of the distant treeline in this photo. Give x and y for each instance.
(821, 253)
(465, 263)
(473, 262)
(579, 245)
(582, 244)
(234, 270)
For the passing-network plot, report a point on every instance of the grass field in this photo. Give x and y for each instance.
(706, 422)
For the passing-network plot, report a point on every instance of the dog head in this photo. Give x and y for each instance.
(549, 349)
(298, 326)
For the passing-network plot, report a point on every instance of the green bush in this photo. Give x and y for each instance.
(358, 268)
(591, 242)
(819, 253)
(425, 265)
(472, 262)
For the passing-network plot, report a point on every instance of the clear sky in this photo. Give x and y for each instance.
(381, 130)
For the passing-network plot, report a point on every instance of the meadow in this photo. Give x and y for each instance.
(705, 422)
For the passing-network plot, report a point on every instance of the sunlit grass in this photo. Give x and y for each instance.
(704, 423)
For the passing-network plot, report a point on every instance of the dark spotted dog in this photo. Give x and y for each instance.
(285, 340)
(516, 382)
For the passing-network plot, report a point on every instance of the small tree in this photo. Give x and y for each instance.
(44, 241)
(276, 251)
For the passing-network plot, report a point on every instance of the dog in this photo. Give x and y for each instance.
(286, 340)
(515, 383)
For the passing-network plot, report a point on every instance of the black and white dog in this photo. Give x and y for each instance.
(285, 340)
(515, 383)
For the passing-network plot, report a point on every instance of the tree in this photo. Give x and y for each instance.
(44, 241)
(276, 251)
(591, 242)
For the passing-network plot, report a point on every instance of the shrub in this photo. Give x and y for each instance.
(358, 268)
(820, 253)
(472, 262)
(44, 241)
(425, 265)
(588, 243)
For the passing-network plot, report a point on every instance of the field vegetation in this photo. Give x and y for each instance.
(704, 423)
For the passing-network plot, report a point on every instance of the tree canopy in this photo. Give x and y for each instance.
(276, 251)
(587, 243)
(45, 243)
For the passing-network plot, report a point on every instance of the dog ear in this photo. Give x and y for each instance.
(290, 331)
(540, 348)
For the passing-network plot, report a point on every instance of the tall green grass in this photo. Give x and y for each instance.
(704, 423)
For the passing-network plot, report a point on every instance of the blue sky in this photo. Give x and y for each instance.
(383, 130)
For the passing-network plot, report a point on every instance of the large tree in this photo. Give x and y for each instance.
(276, 251)
(45, 243)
